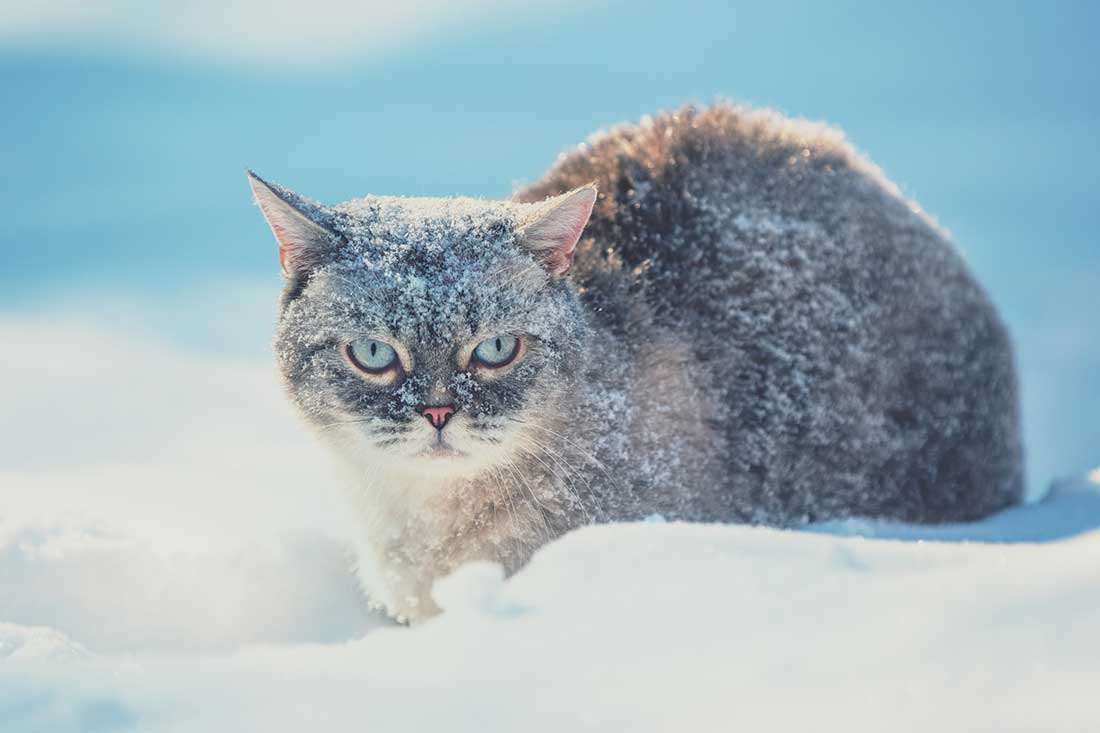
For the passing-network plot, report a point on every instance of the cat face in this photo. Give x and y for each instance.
(429, 337)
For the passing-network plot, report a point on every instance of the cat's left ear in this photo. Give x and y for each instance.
(303, 243)
(553, 231)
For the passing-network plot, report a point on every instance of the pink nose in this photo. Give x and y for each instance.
(438, 416)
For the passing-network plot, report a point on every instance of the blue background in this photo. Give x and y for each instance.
(123, 192)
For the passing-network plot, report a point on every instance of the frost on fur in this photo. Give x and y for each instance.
(756, 327)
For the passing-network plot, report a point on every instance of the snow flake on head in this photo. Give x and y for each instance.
(433, 269)
(432, 278)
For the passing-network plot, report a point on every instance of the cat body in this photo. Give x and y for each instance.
(754, 326)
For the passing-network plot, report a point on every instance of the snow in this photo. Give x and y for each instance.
(156, 580)
(652, 626)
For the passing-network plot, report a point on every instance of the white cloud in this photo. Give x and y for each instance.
(263, 30)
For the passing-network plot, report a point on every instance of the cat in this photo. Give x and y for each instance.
(719, 314)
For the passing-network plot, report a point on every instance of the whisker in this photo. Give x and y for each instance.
(577, 447)
(338, 423)
(501, 492)
(563, 475)
(543, 510)
(525, 484)
(507, 496)
(379, 428)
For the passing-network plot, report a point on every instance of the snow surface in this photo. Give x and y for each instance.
(171, 560)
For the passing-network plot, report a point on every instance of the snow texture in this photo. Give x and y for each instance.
(675, 627)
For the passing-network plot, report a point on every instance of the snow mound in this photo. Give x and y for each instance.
(473, 588)
(645, 627)
(19, 643)
(119, 594)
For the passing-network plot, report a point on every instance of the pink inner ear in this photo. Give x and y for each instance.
(293, 248)
(283, 263)
(295, 233)
(284, 256)
(560, 261)
(286, 249)
(554, 236)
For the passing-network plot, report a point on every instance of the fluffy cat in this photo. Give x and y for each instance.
(748, 323)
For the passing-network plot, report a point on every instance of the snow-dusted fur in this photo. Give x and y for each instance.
(757, 328)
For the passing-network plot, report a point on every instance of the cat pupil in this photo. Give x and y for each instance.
(497, 350)
(373, 348)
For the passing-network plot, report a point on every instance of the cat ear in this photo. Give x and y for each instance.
(553, 232)
(303, 243)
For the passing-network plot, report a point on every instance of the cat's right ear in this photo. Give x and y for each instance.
(552, 234)
(303, 243)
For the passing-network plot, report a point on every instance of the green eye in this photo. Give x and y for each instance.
(497, 350)
(371, 356)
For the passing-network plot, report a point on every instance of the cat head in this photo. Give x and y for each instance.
(430, 337)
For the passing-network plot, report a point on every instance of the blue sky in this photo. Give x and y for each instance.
(125, 135)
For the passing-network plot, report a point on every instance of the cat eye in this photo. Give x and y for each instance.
(371, 355)
(497, 351)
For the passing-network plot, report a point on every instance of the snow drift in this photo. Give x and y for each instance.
(172, 560)
(630, 627)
